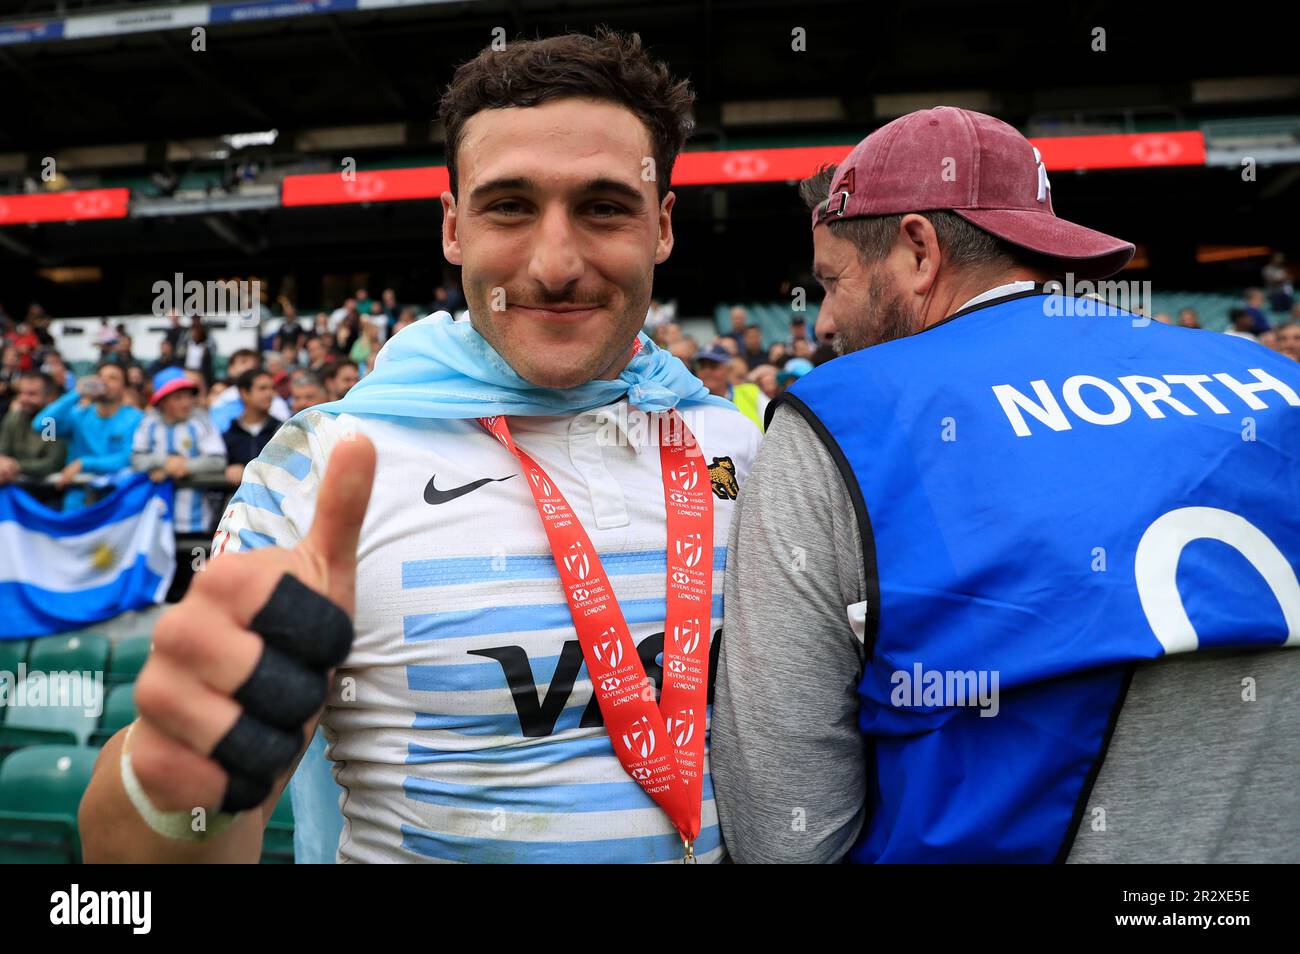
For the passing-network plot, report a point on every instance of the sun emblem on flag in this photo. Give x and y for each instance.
(104, 557)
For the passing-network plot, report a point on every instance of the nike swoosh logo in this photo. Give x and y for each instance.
(435, 496)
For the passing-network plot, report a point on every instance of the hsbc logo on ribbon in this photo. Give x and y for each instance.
(690, 549)
(687, 636)
(676, 666)
(678, 497)
(610, 683)
(608, 648)
(548, 509)
(577, 562)
(683, 724)
(682, 578)
(580, 594)
(641, 774)
(640, 737)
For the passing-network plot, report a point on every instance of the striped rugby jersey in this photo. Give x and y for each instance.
(191, 438)
(470, 732)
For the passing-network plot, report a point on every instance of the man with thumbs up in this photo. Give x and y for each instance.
(517, 513)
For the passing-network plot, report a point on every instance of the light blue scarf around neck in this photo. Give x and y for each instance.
(442, 368)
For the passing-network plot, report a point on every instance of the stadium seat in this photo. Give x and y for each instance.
(33, 724)
(40, 790)
(13, 652)
(78, 652)
(277, 843)
(127, 659)
(119, 712)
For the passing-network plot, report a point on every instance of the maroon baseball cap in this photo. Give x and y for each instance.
(977, 167)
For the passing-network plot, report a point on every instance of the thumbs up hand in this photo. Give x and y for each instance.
(240, 668)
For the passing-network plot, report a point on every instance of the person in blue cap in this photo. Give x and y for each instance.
(713, 367)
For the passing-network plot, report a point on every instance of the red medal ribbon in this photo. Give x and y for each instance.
(661, 747)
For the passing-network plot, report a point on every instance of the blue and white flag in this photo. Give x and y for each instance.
(62, 571)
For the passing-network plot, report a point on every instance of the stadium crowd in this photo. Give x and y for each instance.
(173, 417)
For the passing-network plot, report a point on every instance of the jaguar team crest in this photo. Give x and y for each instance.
(722, 474)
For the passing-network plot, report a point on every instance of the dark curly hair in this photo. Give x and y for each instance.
(608, 66)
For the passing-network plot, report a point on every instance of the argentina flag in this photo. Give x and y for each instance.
(62, 571)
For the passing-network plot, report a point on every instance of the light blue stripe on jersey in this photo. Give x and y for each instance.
(475, 677)
(524, 619)
(251, 540)
(604, 851)
(259, 496)
(454, 571)
(544, 753)
(565, 799)
(491, 723)
(277, 455)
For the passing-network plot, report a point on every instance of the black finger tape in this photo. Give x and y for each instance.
(243, 793)
(282, 692)
(256, 749)
(301, 623)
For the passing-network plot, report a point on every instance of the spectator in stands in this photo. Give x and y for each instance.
(667, 335)
(291, 334)
(347, 334)
(341, 314)
(739, 321)
(9, 374)
(176, 439)
(1255, 307)
(1187, 318)
(392, 310)
(318, 354)
(752, 347)
(166, 358)
(408, 316)
(219, 387)
(52, 363)
(686, 349)
(227, 406)
(713, 367)
(1288, 339)
(794, 369)
(306, 389)
(765, 377)
(1163, 317)
(196, 350)
(254, 427)
(727, 344)
(777, 354)
(24, 452)
(39, 322)
(799, 329)
(137, 388)
(98, 427)
(173, 335)
(802, 348)
(339, 377)
(105, 338)
(1277, 283)
(24, 341)
(369, 342)
(1241, 324)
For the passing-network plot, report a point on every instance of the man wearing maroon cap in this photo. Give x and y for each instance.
(1037, 549)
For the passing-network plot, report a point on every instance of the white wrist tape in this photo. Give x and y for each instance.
(175, 825)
